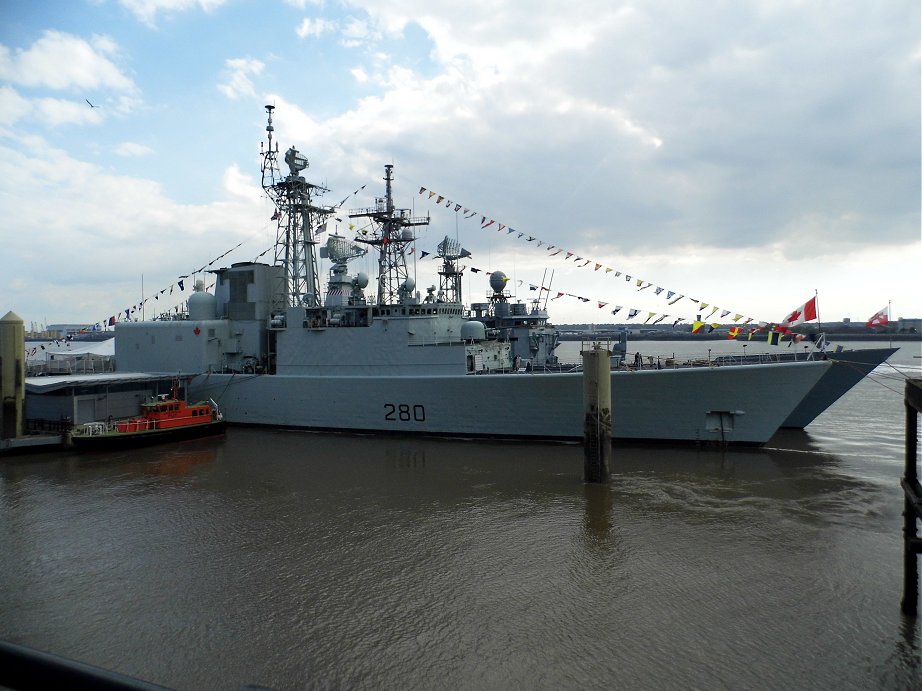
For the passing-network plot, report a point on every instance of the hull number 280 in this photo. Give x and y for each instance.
(403, 412)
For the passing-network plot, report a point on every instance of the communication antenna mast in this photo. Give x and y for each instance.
(546, 294)
(297, 216)
(392, 235)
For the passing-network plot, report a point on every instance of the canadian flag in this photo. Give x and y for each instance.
(881, 318)
(804, 313)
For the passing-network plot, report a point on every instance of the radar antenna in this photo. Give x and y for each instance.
(297, 216)
(340, 250)
(450, 274)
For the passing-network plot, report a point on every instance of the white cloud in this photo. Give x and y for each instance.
(237, 75)
(133, 149)
(744, 151)
(146, 11)
(62, 61)
(126, 104)
(357, 32)
(738, 145)
(118, 226)
(303, 4)
(314, 28)
(51, 111)
(56, 111)
(238, 184)
(12, 106)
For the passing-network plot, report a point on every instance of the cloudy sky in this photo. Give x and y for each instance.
(748, 154)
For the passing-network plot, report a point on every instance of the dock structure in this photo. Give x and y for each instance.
(597, 419)
(912, 502)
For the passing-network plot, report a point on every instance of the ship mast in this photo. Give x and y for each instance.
(392, 236)
(297, 215)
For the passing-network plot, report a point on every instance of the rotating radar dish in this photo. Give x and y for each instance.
(339, 249)
(450, 248)
(296, 162)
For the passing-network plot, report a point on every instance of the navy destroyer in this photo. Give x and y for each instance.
(272, 349)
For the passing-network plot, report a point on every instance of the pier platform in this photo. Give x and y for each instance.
(31, 444)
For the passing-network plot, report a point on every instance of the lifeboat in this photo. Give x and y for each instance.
(166, 418)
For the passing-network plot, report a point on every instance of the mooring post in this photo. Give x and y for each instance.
(12, 375)
(912, 502)
(597, 413)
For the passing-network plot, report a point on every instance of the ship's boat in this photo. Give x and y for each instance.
(166, 418)
(271, 349)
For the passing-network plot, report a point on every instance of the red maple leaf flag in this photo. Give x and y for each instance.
(881, 318)
(804, 313)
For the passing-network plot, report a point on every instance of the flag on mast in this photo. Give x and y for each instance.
(806, 312)
(880, 318)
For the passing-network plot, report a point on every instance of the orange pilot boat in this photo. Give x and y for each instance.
(163, 419)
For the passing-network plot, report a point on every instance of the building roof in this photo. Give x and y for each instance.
(40, 385)
(41, 351)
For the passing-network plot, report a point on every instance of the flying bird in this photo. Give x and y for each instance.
(90, 104)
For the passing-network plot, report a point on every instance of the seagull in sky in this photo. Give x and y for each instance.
(90, 104)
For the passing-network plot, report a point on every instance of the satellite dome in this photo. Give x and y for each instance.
(409, 284)
(498, 281)
(360, 280)
(473, 331)
(202, 306)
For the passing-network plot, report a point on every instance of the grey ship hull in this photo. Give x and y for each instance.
(848, 368)
(741, 405)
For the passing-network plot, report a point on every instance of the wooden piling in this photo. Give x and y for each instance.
(597, 413)
(912, 502)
